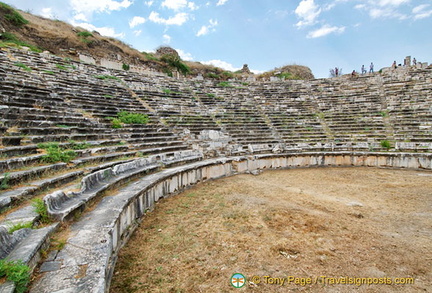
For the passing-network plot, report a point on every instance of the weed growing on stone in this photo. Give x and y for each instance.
(384, 113)
(56, 154)
(84, 34)
(23, 66)
(19, 226)
(62, 126)
(78, 145)
(224, 84)
(385, 144)
(126, 66)
(17, 272)
(104, 77)
(4, 183)
(132, 118)
(116, 123)
(41, 210)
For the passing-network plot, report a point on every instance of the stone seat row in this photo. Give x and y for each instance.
(27, 244)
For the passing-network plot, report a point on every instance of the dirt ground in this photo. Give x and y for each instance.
(319, 227)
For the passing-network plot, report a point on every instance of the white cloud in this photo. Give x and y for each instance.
(178, 19)
(81, 17)
(167, 39)
(221, 64)
(47, 12)
(384, 3)
(384, 8)
(179, 4)
(206, 29)
(325, 30)
(136, 20)
(84, 9)
(422, 11)
(137, 33)
(98, 6)
(149, 3)
(307, 11)
(183, 55)
(105, 31)
(221, 2)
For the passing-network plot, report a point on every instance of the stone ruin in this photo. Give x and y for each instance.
(198, 130)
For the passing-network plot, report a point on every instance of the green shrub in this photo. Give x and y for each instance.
(174, 62)
(132, 118)
(55, 153)
(211, 95)
(150, 56)
(47, 145)
(12, 15)
(212, 75)
(227, 75)
(126, 66)
(116, 123)
(385, 144)
(19, 226)
(4, 183)
(17, 272)
(84, 34)
(41, 210)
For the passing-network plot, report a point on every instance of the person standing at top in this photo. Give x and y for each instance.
(363, 69)
(371, 68)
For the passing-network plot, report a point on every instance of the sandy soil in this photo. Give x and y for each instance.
(288, 224)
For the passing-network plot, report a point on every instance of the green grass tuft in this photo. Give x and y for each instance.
(55, 153)
(17, 272)
(19, 226)
(23, 66)
(385, 144)
(132, 118)
(4, 183)
(84, 34)
(41, 210)
(103, 77)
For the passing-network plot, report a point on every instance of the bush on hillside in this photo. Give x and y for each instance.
(13, 16)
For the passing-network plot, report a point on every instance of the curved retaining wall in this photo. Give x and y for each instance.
(98, 237)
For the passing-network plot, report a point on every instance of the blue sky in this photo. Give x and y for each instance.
(263, 33)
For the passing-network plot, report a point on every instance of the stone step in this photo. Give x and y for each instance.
(9, 198)
(25, 245)
(18, 177)
(63, 206)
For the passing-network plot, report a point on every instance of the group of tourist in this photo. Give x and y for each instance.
(363, 70)
(371, 67)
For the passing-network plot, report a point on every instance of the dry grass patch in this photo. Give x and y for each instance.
(355, 222)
